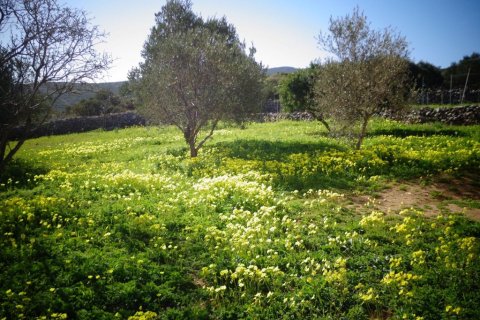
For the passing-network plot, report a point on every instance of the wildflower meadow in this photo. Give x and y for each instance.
(125, 225)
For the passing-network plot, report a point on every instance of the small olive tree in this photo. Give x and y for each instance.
(45, 48)
(369, 74)
(196, 73)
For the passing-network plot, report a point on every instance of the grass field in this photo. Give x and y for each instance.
(123, 225)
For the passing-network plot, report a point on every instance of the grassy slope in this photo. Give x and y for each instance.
(106, 224)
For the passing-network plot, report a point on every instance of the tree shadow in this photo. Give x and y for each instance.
(263, 150)
(20, 173)
(295, 165)
(274, 158)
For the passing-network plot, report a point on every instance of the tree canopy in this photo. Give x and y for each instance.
(368, 75)
(457, 72)
(196, 73)
(426, 75)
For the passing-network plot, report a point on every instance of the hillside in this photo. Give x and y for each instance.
(85, 91)
(272, 71)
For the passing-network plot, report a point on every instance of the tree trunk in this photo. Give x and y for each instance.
(193, 149)
(319, 116)
(325, 124)
(7, 156)
(363, 131)
(2, 166)
(193, 152)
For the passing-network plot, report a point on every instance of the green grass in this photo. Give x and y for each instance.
(119, 224)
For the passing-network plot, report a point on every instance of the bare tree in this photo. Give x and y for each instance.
(45, 48)
(369, 74)
(196, 73)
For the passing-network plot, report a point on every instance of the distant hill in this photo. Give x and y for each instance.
(272, 71)
(85, 91)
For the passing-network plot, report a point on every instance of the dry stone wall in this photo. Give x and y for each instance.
(466, 115)
(463, 115)
(83, 124)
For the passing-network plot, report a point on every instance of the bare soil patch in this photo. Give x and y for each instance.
(442, 194)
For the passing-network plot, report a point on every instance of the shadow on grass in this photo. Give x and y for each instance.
(263, 150)
(272, 157)
(318, 181)
(21, 173)
(325, 165)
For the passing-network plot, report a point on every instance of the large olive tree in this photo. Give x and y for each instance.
(45, 48)
(368, 74)
(195, 74)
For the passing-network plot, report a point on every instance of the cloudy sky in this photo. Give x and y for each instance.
(284, 32)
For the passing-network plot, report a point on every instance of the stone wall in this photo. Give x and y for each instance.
(464, 115)
(83, 124)
(272, 117)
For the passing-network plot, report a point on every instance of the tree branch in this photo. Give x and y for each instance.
(212, 129)
(51, 47)
(2, 16)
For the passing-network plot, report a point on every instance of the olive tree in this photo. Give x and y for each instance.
(369, 73)
(45, 48)
(195, 74)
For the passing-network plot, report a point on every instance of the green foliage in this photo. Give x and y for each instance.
(271, 85)
(296, 90)
(123, 224)
(426, 75)
(297, 93)
(429, 76)
(458, 72)
(103, 102)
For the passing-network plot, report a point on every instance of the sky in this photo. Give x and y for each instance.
(284, 32)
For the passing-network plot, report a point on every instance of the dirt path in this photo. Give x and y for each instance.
(443, 194)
